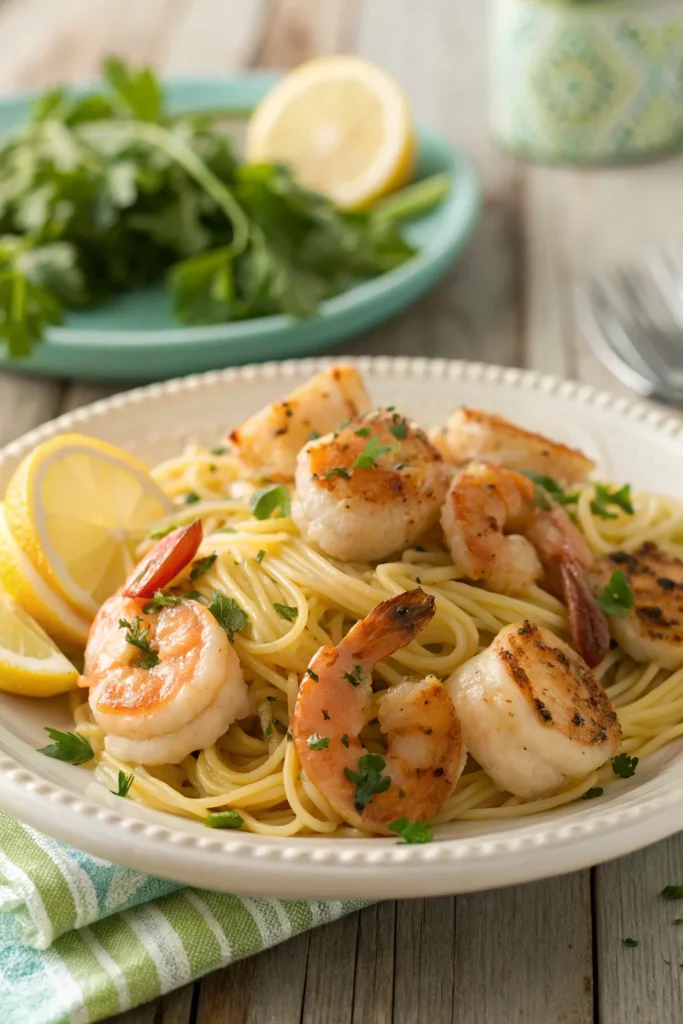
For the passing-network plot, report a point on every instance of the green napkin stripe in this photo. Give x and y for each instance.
(99, 993)
(202, 948)
(52, 897)
(118, 939)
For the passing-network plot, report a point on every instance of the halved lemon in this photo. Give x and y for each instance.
(30, 663)
(23, 582)
(343, 126)
(77, 507)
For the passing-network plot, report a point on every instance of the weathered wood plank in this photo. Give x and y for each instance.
(524, 954)
(436, 50)
(25, 403)
(174, 1008)
(265, 989)
(642, 984)
(299, 29)
(425, 964)
(213, 36)
(330, 973)
(373, 994)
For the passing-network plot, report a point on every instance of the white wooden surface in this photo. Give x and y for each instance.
(539, 954)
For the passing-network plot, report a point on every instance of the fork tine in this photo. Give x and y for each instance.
(611, 343)
(648, 323)
(667, 273)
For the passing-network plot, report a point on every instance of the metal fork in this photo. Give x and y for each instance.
(632, 317)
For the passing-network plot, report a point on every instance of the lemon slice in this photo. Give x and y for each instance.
(343, 126)
(76, 508)
(23, 582)
(30, 664)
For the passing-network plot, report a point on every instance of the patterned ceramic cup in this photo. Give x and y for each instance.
(598, 81)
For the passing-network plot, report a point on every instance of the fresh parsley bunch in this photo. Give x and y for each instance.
(107, 192)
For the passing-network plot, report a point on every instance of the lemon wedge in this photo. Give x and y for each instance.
(23, 582)
(30, 663)
(76, 508)
(342, 125)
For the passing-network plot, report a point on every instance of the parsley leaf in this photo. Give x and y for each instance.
(368, 780)
(672, 892)
(552, 487)
(617, 597)
(317, 742)
(268, 499)
(363, 431)
(604, 498)
(162, 532)
(285, 611)
(161, 600)
(590, 794)
(224, 819)
(372, 451)
(136, 636)
(325, 715)
(630, 942)
(125, 782)
(220, 450)
(202, 566)
(624, 766)
(411, 831)
(67, 746)
(345, 740)
(191, 498)
(228, 613)
(312, 674)
(355, 677)
(260, 556)
(399, 428)
(338, 471)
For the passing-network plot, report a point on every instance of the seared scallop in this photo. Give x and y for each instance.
(653, 629)
(532, 713)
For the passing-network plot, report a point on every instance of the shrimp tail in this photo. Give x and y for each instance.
(391, 625)
(586, 620)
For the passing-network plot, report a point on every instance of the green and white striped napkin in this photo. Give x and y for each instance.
(82, 939)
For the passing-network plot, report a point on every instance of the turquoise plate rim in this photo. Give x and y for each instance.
(360, 307)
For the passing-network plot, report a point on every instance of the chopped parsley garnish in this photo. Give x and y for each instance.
(552, 488)
(202, 566)
(268, 733)
(268, 499)
(325, 715)
(590, 794)
(136, 636)
(194, 595)
(619, 499)
(363, 431)
(399, 428)
(285, 611)
(226, 529)
(672, 892)
(338, 471)
(125, 782)
(678, 920)
(617, 597)
(224, 819)
(191, 498)
(368, 780)
(313, 436)
(260, 556)
(355, 677)
(624, 766)
(411, 831)
(220, 450)
(228, 613)
(630, 942)
(311, 673)
(67, 746)
(163, 531)
(317, 742)
(372, 451)
(161, 600)
(345, 740)
(289, 737)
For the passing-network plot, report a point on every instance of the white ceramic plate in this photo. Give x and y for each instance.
(631, 443)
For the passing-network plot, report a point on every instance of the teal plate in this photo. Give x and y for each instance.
(137, 338)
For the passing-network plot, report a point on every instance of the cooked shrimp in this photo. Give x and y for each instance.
(369, 489)
(192, 691)
(533, 715)
(653, 629)
(505, 532)
(424, 755)
(273, 437)
(474, 436)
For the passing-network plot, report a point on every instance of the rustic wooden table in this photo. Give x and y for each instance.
(539, 954)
